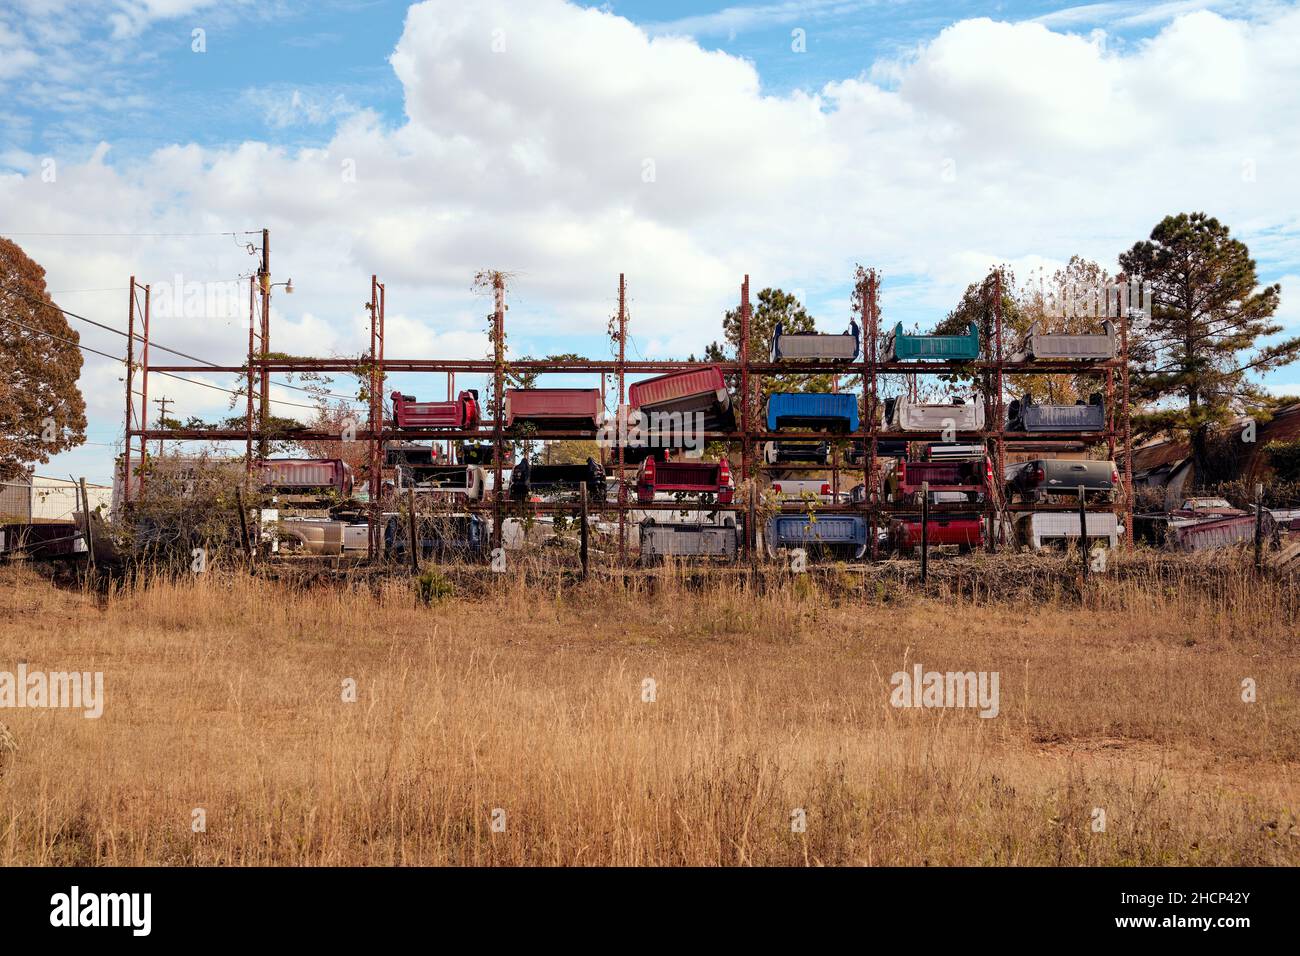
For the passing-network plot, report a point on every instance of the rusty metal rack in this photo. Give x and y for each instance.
(991, 370)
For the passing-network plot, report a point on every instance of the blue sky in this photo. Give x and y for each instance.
(930, 140)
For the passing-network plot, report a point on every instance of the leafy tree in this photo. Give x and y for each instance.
(1199, 344)
(772, 306)
(977, 305)
(41, 407)
(338, 419)
(568, 452)
(1077, 288)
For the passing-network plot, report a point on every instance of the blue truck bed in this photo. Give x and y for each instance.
(842, 533)
(812, 411)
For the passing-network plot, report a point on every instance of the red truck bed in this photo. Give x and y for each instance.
(461, 413)
(964, 531)
(692, 477)
(554, 407)
(687, 390)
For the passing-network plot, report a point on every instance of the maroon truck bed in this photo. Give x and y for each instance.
(304, 475)
(553, 407)
(692, 477)
(460, 413)
(970, 476)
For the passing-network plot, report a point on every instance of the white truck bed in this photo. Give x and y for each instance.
(1039, 344)
(1042, 529)
(912, 416)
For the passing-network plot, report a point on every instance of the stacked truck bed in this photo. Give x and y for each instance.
(462, 413)
(837, 534)
(1025, 414)
(554, 408)
(903, 347)
(815, 346)
(689, 540)
(909, 416)
(1039, 344)
(812, 411)
(685, 477)
(306, 476)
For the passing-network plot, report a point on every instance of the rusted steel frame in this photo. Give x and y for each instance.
(130, 397)
(620, 424)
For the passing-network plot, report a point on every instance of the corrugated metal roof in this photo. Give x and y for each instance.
(1253, 462)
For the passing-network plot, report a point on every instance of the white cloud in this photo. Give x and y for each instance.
(992, 142)
(284, 107)
(733, 20)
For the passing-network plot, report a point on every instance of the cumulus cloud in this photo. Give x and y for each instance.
(566, 144)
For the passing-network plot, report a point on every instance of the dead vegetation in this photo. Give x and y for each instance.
(520, 700)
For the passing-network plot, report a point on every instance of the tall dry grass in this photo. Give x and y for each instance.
(524, 694)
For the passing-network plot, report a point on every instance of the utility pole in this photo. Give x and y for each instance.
(162, 403)
(264, 283)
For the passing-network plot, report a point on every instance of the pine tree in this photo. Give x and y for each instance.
(1199, 344)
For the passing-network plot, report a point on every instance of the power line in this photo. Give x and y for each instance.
(120, 235)
(153, 344)
(179, 378)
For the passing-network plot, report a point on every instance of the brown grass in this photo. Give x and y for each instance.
(224, 693)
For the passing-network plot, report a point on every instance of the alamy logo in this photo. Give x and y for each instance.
(74, 908)
(635, 429)
(946, 689)
(74, 690)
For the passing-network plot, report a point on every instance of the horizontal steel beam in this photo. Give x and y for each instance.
(574, 367)
(239, 434)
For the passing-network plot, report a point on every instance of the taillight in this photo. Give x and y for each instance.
(826, 488)
(988, 472)
(1114, 476)
(724, 472)
(648, 473)
(776, 486)
(1039, 473)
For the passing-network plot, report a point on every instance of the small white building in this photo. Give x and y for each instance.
(36, 499)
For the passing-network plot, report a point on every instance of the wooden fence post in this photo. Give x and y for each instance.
(582, 534)
(925, 532)
(412, 540)
(1083, 532)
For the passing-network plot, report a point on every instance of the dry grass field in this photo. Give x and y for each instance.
(521, 702)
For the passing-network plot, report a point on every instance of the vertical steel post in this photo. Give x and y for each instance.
(620, 431)
(130, 396)
(870, 364)
(1259, 526)
(1128, 430)
(747, 420)
(744, 380)
(264, 280)
(1083, 532)
(243, 524)
(498, 379)
(582, 534)
(925, 532)
(248, 417)
(413, 538)
(374, 439)
(995, 448)
(144, 387)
